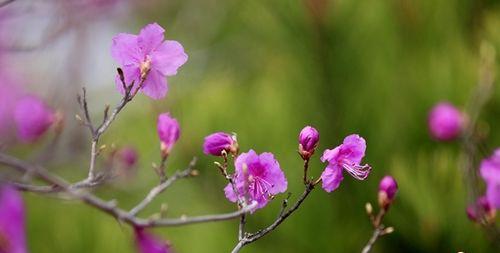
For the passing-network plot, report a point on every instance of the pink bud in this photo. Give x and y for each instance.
(445, 122)
(128, 156)
(148, 243)
(308, 140)
(387, 191)
(217, 142)
(168, 132)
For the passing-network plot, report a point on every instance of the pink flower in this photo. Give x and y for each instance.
(445, 122)
(147, 55)
(147, 243)
(485, 207)
(490, 172)
(33, 118)
(257, 178)
(347, 156)
(217, 142)
(12, 228)
(387, 191)
(308, 140)
(168, 131)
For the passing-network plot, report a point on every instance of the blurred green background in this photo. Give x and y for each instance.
(265, 69)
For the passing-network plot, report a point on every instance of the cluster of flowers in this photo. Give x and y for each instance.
(146, 60)
(447, 123)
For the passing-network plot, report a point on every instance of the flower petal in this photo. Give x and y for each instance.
(168, 57)
(331, 178)
(150, 38)
(155, 85)
(124, 49)
(274, 175)
(230, 194)
(356, 146)
(12, 226)
(493, 194)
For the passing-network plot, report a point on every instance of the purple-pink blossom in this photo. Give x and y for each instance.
(308, 140)
(490, 172)
(12, 227)
(257, 178)
(347, 156)
(445, 122)
(147, 55)
(10, 92)
(483, 205)
(387, 191)
(148, 243)
(168, 132)
(33, 118)
(217, 142)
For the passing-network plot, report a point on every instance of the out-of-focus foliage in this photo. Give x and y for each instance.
(264, 69)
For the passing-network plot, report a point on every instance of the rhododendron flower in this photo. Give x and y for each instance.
(148, 243)
(445, 122)
(12, 228)
(147, 55)
(490, 172)
(168, 131)
(217, 142)
(347, 157)
(33, 118)
(387, 191)
(485, 206)
(308, 140)
(257, 178)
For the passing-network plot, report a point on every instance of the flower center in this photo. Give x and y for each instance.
(145, 66)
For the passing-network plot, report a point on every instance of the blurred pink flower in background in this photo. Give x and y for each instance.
(10, 92)
(12, 228)
(347, 156)
(485, 206)
(257, 177)
(148, 243)
(490, 172)
(33, 118)
(445, 121)
(147, 54)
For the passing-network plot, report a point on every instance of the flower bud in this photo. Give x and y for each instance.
(128, 156)
(217, 142)
(308, 140)
(33, 118)
(387, 191)
(483, 206)
(445, 122)
(168, 132)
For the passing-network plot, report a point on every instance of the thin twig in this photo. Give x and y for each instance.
(283, 215)
(110, 207)
(377, 232)
(162, 187)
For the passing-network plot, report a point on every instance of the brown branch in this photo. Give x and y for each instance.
(110, 207)
(283, 215)
(162, 187)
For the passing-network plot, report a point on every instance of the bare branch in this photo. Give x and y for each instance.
(110, 207)
(162, 187)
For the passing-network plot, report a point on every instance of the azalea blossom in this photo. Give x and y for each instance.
(490, 172)
(217, 142)
(33, 118)
(148, 243)
(148, 56)
(308, 140)
(346, 156)
(168, 132)
(257, 178)
(387, 191)
(445, 122)
(12, 227)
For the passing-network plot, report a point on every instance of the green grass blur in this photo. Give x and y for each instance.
(264, 69)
